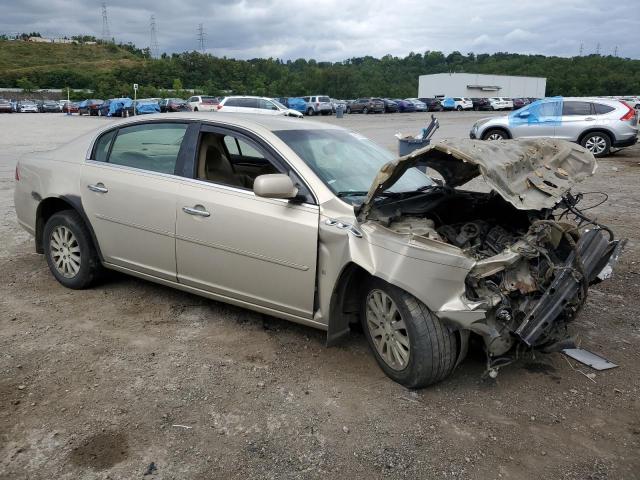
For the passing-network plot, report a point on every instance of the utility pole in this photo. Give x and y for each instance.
(201, 38)
(154, 49)
(106, 34)
(615, 51)
(598, 49)
(581, 48)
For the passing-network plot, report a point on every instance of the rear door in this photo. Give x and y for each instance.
(129, 195)
(577, 116)
(241, 247)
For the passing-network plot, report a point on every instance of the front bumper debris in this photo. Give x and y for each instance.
(595, 254)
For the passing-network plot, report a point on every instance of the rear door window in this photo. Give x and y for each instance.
(152, 147)
(101, 148)
(576, 108)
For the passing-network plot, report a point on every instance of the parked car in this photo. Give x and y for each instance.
(519, 102)
(174, 105)
(500, 103)
(89, 107)
(433, 104)
(595, 123)
(420, 106)
(338, 104)
(389, 105)
(70, 107)
(5, 106)
(49, 106)
(318, 105)
(203, 103)
(27, 106)
(633, 102)
(145, 106)
(296, 103)
(481, 104)
(457, 103)
(366, 105)
(313, 224)
(405, 105)
(117, 107)
(259, 105)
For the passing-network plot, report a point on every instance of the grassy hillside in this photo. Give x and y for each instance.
(25, 57)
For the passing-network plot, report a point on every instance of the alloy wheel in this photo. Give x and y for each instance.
(596, 144)
(387, 329)
(65, 251)
(495, 136)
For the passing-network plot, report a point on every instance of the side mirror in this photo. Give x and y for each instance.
(524, 114)
(274, 185)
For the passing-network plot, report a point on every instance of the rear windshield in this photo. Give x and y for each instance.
(324, 99)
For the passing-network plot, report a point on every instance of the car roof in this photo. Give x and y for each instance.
(252, 121)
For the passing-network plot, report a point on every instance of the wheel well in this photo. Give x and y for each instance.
(612, 137)
(46, 208)
(345, 301)
(502, 129)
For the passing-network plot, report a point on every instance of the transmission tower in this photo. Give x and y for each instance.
(598, 49)
(581, 48)
(106, 34)
(154, 49)
(201, 38)
(615, 51)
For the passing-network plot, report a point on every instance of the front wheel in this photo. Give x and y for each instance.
(310, 112)
(365, 110)
(494, 134)
(70, 253)
(411, 345)
(598, 143)
(459, 108)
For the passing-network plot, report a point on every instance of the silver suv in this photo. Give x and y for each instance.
(595, 123)
(318, 105)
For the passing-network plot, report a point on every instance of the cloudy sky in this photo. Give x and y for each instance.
(340, 29)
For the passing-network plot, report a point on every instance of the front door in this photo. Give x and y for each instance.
(129, 195)
(539, 119)
(236, 245)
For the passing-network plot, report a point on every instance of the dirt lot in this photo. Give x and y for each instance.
(98, 384)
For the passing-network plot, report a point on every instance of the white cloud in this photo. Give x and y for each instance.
(340, 29)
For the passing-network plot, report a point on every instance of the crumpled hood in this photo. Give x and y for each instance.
(531, 174)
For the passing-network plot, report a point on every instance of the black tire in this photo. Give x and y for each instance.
(459, 108)
(348, 110)
(495, 132)
(433, 348)
(365, 110)
(310, 112)
(195, 109)
(90, 266)
(598, 143)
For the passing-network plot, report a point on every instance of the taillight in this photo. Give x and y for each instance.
(219, 107)
(17, 173)
(630, 115)
(317, 104)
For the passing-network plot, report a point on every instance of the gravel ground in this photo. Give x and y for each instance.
(98, 384)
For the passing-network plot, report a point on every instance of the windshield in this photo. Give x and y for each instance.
(279, 105)
(348, 162)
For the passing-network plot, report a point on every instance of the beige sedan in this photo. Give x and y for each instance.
(316, 224)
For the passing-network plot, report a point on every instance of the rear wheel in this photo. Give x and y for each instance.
(365, 110)
(70, 253)
(495, 134)
(310, 112)
(411, 345)
(459, 108)
(597, 143)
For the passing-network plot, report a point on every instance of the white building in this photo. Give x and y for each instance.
(480, 85)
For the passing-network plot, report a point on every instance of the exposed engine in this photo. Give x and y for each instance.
(533, 268)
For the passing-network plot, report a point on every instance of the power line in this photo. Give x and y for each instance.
(201, 38)
(154, 48)
(106, 33)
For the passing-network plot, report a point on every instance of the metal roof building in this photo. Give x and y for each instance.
(480, 85)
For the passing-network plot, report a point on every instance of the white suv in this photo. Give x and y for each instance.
(318, 105)
(203, 103)
(501, 103)
(262, 105)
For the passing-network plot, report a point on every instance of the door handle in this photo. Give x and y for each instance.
(98, 188)
(200, 212)
(589, 119)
